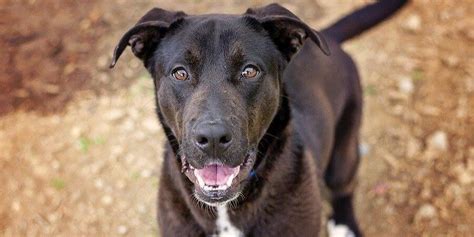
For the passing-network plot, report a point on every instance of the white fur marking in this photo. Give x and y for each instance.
(339, 230)
(224, 227)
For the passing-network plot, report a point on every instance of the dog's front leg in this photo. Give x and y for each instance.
(174, 218)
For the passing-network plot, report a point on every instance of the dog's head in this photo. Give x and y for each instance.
(218, 86)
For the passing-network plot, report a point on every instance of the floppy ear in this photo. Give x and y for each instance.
(286, 29)
(147, 33)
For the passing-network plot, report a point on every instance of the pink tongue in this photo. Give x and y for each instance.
(216, 174)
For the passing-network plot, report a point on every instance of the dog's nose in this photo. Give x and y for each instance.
(212, 137)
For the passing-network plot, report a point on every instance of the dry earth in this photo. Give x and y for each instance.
(80, 146)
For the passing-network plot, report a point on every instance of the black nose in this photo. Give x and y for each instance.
(212, 137)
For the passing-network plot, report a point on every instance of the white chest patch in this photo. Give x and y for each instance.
(339, 230)
(223, 224)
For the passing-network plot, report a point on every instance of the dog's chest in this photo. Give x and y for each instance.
(224, 228)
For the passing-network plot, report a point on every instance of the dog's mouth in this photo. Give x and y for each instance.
(216, 177)
(217, 183)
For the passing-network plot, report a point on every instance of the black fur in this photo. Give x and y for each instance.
(293, 124)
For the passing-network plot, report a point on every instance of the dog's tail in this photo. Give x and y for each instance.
(363, 19)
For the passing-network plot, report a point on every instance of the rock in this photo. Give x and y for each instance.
(103, 77)
(69, 68)
(16, 206)
(55, 165)
(146, 173)
(464, 176)
(426, 212)
(141, 209)
(103, 61)
(380, 189)
(122, 229)
(99, 183)
(364, 149)
(451, 61)
(120, 184)
(405, 85)
(413, 147)
(151, 124)
(128, 126)
(106, 200)
(53, 217)
(438, 141)
(413, 23)
(76, 132)
(114, 114)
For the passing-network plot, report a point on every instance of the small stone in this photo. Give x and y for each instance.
(55, 165)
(413, 23)
(464, 176)
(141, 209)
(381, 188)
(451, 61)
(103, 77)
(16, 206)
(120, 184)
(106, 200)
(114, 114)
(69, 68)
(103, 61)
(128, 126)
(99, 183)
(76, 132)
(413, 147)
(426, 211)
(151, 124)
(53, 217)
(146, 173)
(41, 170)
(122, 230)
(438, 140)
(405, 85)
(364, 149)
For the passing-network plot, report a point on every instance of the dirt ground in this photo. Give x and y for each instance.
(80, 146)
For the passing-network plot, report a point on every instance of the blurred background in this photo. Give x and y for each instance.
(80, 146)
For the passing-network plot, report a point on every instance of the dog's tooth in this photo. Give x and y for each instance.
(230, 179)
(199, 179)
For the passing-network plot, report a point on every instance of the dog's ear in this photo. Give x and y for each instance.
(286, 29)
(145, 35)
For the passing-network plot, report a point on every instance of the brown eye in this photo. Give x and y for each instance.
(249, 72)
(180, 74)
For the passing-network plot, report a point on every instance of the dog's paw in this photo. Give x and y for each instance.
(339, 230)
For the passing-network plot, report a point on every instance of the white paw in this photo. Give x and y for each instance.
(339, 230)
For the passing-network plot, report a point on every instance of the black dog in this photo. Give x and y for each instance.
(256, 117)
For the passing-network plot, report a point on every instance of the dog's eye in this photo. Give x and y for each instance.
(249, 72)
(180, 74)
